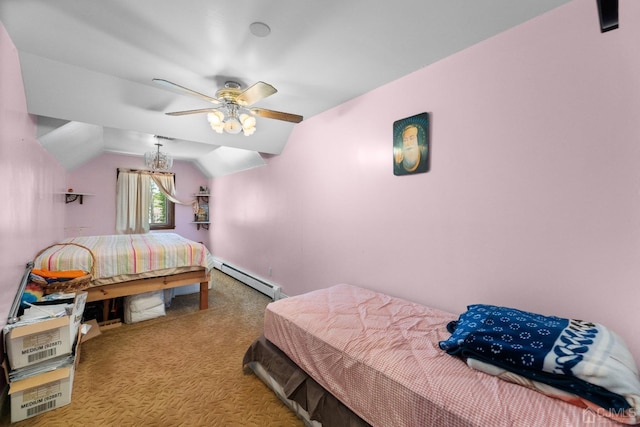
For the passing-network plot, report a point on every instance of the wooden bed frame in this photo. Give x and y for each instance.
(138, 286)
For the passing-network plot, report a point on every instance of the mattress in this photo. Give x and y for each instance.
(120, 258)
(379, 356)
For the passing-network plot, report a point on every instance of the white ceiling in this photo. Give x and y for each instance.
(91, 63)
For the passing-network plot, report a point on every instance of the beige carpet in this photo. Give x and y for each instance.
(184, 369)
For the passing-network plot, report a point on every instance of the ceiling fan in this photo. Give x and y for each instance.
(233, 112)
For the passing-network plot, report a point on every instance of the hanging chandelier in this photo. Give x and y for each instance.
(158, 161)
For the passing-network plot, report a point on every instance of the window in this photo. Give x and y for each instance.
(144, 201)
(161, 210)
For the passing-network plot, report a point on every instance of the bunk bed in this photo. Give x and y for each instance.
(131, 264)
(349, 356)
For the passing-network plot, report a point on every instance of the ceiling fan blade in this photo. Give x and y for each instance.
(184, 113)
(255, 93)
(171, 85)
(270, 114)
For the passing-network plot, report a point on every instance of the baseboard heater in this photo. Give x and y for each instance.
(269, 289)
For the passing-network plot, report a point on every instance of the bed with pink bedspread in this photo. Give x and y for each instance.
(350, 356)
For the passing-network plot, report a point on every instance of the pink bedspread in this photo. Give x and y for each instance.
(379, 355)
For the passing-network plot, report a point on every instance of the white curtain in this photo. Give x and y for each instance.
(133, 195)
(166, 184)
(132, 202)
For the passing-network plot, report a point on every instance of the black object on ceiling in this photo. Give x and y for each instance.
(608, 11)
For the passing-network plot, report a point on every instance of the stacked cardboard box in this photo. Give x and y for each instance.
(41, 352)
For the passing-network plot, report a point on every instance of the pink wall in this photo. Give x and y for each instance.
(31, 217)
(97, 214)
(532, 198)
(34, 214)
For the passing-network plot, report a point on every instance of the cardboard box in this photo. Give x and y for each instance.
(44, 391)
(41, 393)
(88, 330)
(29, 343)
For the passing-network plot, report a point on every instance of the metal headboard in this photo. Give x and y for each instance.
(13, 314)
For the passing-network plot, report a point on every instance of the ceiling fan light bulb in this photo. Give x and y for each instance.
(232, 125)
(215, 117)
(248, 130)
(248, 121)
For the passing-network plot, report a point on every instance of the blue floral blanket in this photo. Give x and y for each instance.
(579, 357)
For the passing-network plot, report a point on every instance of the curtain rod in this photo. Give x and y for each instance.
(145, 171)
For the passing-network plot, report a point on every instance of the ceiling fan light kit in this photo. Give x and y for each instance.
(233, 115)
(231, 122)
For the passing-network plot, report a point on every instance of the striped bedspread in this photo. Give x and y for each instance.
(119, 255)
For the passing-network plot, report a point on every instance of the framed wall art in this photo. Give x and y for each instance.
(411, 145)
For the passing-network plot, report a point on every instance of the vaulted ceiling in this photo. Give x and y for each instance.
(88, 65)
